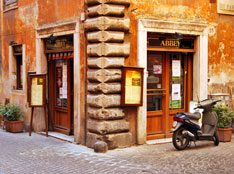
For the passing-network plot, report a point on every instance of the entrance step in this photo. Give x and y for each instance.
(59, 136)
(159, 141)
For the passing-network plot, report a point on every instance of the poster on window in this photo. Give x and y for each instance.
(175, 104)
(176, 68)
(175, 92)
(132, 86)
(157, 69)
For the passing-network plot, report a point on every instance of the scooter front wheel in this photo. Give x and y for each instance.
(180, 140)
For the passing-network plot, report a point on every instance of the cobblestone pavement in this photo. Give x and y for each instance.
(21, 154)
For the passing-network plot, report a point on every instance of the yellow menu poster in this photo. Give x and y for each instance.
(133, 87)
(37, 91)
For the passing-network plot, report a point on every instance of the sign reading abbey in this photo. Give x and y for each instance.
(170, 43)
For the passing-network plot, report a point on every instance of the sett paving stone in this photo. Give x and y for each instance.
(38, 154)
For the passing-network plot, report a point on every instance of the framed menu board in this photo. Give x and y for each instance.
(37, 90)
(132, 86)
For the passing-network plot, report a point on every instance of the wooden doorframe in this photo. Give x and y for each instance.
(52, 96)
(79, 70)
(200, 62)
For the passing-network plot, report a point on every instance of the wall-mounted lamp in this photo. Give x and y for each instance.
(178, 35)
(11, 43)
(51, 39)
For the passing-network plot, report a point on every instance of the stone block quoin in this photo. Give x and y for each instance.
(106, 29)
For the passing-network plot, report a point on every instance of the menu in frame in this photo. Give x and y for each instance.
(132, 86)
(37, 90)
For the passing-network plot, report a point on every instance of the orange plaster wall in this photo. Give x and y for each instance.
(19, 25)
(221, 36)
(54, 10)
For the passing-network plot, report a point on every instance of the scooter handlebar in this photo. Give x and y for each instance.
(200, 106)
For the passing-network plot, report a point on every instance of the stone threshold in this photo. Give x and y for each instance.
(159, 141)
(59, 136)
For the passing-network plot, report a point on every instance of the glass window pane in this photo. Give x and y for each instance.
(176, 81)
(61, 83)
(154, 81)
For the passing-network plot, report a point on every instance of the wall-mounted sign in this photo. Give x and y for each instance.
(225, 7)
(170, 43)
(132, 86)
(175, 41)
(59, 43)
(37, 90)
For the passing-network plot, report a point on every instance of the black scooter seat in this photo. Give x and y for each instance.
(193, 116)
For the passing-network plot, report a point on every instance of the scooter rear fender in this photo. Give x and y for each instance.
(178, 125)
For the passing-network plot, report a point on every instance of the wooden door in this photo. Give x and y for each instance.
(61, 95)
(156, 94)
(169, 88)
(180, 84)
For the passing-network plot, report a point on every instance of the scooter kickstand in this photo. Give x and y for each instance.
(194, 143)
(190, 143)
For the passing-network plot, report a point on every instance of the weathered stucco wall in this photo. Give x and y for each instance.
(221, 33)
(54, 11)
(220, 39)
(20, 25)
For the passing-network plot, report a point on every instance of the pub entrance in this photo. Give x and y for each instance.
(169, 86)
(60, 84)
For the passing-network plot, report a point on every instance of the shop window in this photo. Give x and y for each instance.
(17, 67)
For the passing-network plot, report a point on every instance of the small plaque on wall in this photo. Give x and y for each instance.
(225, 7)
(132, 86)
(37, 90)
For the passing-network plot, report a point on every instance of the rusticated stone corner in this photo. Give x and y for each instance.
(102, 100)
(113, 141)
(110, 88)
(92, 138)
(108, 49)
(107, 30)
(96, 2)
(107, 127)
(105, 36)
(107, 23)
(106, 10)
(118, 140)
(104, 75)
(105, 62)
(105, 114)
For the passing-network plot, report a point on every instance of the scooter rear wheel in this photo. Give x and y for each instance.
(180, 140)
(216, 138)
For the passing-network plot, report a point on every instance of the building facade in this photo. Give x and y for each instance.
(185, 47)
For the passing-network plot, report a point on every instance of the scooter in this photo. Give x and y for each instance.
(186, 128)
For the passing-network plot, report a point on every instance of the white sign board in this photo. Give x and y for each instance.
(225, 7)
